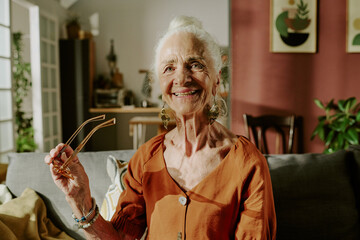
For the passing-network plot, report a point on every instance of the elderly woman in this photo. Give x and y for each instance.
(197, 181)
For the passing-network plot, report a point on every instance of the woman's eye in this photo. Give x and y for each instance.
(168, 69)
(197, 66)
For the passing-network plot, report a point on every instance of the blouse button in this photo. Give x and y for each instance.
(182, 200)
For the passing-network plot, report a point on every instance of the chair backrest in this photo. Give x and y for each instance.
(284, 127)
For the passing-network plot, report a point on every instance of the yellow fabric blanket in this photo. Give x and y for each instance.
(25, 218)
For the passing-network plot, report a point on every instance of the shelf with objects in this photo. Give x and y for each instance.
(113, 98)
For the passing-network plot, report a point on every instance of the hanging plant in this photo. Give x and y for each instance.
(21, 73)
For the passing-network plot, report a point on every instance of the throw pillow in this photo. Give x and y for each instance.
(5, 194)
(116, 170)
(25, 217)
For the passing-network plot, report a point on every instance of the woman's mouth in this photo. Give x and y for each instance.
(188, 93)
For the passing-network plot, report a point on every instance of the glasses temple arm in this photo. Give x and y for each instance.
(98, 118)
(69, 141)
(84, 141)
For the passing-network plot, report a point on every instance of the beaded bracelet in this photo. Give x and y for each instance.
(83, 218)
(97, 213)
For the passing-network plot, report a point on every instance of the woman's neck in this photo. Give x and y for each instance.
(192, 133)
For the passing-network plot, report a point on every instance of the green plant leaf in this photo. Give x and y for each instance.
(344, 124)
(358, 117)
(330, 104)
(321, 134)
(352, 120)
(319, 103)
(356, 108)
(329, 138)
(339, 115)
(352, 136)
(314, 133)
(318, 128)
(351, 102)
(340, 139)
(341, 105)
(336, 125)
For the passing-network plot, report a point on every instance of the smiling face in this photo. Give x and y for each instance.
(187, 75)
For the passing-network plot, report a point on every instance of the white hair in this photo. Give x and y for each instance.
(194, 26)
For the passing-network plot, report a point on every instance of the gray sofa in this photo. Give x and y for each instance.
(316, 195)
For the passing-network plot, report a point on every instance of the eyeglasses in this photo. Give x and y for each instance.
(63, 168)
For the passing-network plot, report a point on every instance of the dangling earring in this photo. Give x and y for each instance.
(213, 113)
(164, 117)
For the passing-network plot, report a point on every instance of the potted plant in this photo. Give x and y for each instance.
(340, 126)
(73, 26)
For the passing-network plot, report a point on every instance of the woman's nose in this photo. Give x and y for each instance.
(182, 76)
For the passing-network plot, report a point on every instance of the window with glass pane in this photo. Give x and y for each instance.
(49, 80)
(5, 73)
(6, 114)
(5, 105)
(5, 42)
(4, 12)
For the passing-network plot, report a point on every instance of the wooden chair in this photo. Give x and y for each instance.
(284, 127)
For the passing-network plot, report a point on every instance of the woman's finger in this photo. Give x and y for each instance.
(54, 152)
(67, 149)
(55, 174)
(48, 159)
(64, 156)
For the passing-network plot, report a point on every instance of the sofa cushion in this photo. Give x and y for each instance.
(314, 197)
(29, 170)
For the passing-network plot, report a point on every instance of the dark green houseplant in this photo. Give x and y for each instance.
(21, 73)
(340, 126)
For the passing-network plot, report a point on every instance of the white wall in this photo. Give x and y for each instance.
(52, 7)
(136, 25)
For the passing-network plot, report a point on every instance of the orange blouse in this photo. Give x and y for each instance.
(234, 201)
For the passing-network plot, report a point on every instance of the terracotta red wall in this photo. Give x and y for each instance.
(282, 83)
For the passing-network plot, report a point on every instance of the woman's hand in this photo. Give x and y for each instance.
(76, 190)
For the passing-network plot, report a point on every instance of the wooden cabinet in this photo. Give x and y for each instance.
(77, 65)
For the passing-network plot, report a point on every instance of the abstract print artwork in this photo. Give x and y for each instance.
(293, 26)
(353, 26)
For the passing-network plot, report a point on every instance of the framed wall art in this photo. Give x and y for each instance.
(293, 26)
(353, 26)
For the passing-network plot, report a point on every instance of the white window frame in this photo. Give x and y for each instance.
(38, 106)
(11, 119)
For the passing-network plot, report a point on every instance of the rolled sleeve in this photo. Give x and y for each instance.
(130, 214)
(257, 211)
